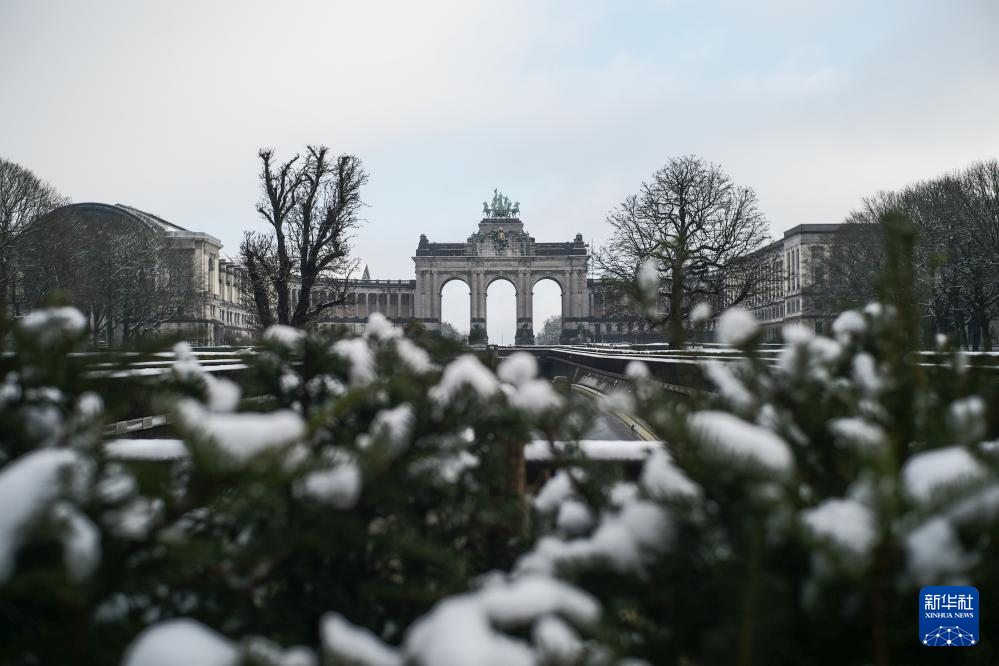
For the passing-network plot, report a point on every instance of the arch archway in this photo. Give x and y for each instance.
(501, 311)
(456, 305)
(546, 302)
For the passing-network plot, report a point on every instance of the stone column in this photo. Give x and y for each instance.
(476, 286)
(525, 325)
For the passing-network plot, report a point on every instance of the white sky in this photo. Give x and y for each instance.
(565, 106)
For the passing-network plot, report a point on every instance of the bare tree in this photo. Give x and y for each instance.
(128, 278)
(701, 233)
(551, 331)
(23, 199)
(312, 206)
(956, 254)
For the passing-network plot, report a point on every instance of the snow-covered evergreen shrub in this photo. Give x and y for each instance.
(357, 500)
(367, 477)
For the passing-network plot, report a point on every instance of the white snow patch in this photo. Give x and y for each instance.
(736, 326)
(574, 517)
(518, 368)
(982, 505)
(339, 486)
(359, 356)
(146, 449)
(395, 424)
(648, 280)
(556, 641)
(135, 519)
(242, 436)
(858, 431)
(925, 473)
(934, 553)
(661, 478)
(865, 373)
(849, 323)
(414, 357)
(733, 436)
(535, 397)
(728, 385)
(622, 539)
(846, 523)
(28, 488)
(700, 313)
(180, 641)
(452, 467)
(555, 491)
(966, 418)
(52, 326)
(222, 394)
(456, 632)
(597, 449)
(286, 337)
(637, 371)
(463, 373)
(380, 328)
(81, 541)
(355, 645)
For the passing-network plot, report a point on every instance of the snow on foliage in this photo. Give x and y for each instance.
(81, 541)
(927, 472)
(648, 281)
(866, 374)
(339, 486)
(847, 324)
(966, 418)
(536, 397)
(700, 313)
(354, 645)
(415, 357)
(734, 437)
(240, 437)
(730, 388)
(573, 517)
(380, 328)
(661, 478)
(146, 449)
(624, 540)
(934, 554)
(222, 394)
(556, 490)
(54, 326)
(393, 424)
(858, 431)
(285, 337)
(180, 641)
(135, 519)
(462, 630)
(518, 368)
(556, 641)
(465, 372)
(736, 326)
(28, 488)
(360, 359)
(845, 523)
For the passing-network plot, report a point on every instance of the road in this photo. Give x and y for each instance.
(606, 427)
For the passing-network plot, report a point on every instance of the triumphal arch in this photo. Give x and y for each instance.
(502, 250)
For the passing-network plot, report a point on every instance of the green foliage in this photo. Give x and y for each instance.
(374, 484)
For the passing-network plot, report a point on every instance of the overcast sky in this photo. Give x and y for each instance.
(565, 106)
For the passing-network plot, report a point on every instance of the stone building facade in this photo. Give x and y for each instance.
(502, 250)
(218, 312)
(793, 285)
(214, 312)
